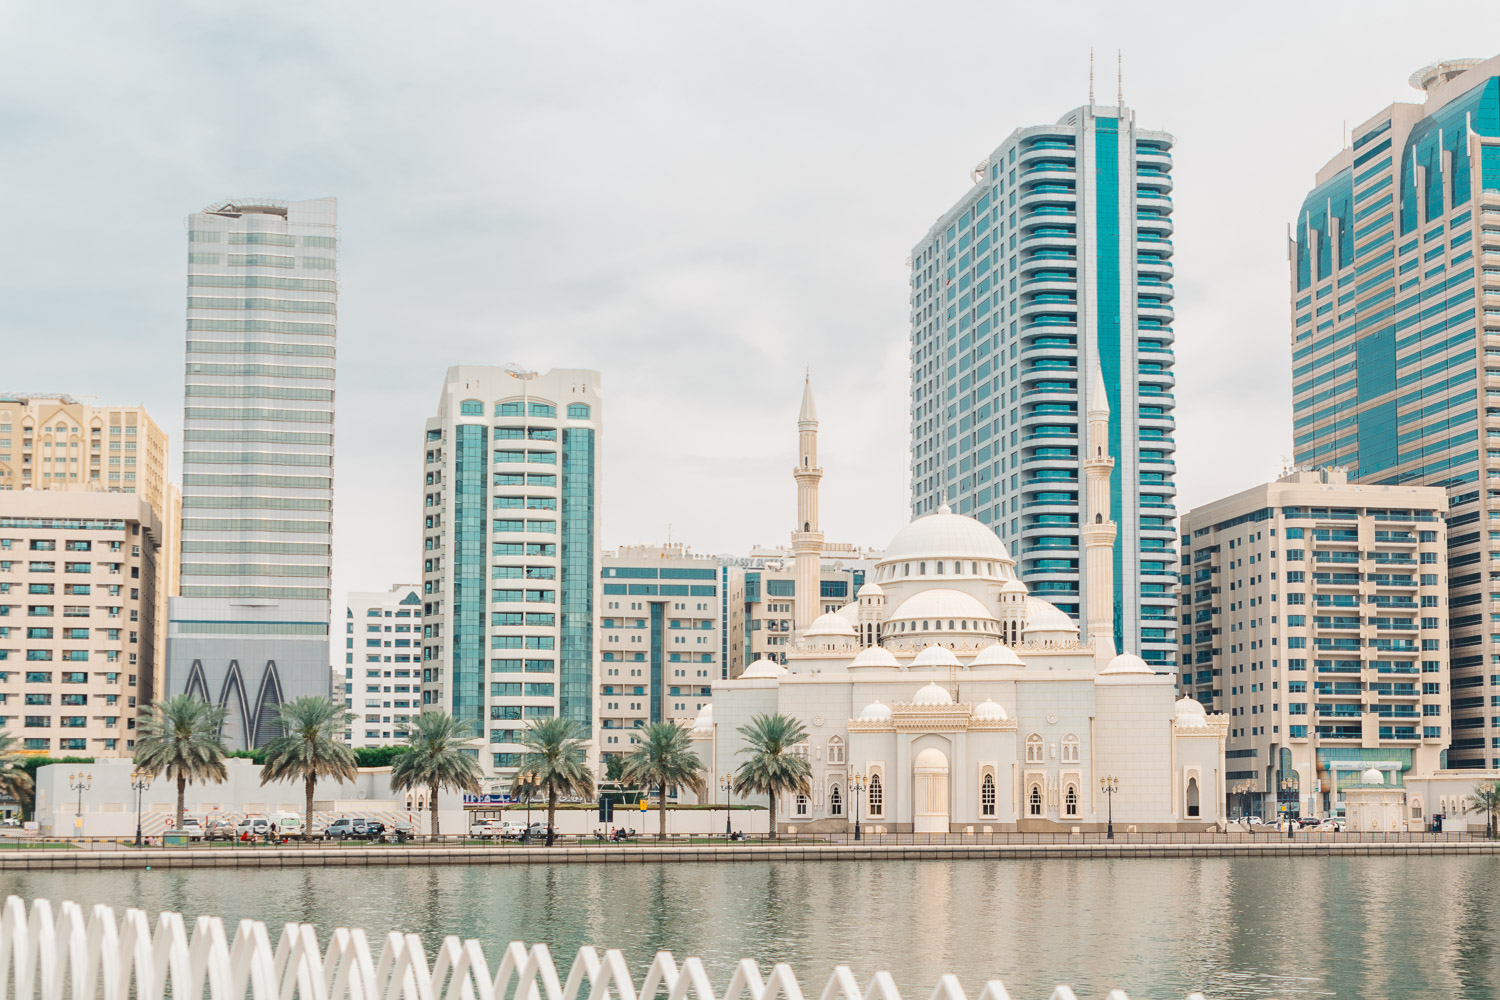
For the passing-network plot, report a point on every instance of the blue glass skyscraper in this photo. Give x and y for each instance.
(1058, 258)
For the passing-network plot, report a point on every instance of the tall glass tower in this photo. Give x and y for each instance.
(250, 627)
(1395, 292)
(510, 553)
(1058, 259)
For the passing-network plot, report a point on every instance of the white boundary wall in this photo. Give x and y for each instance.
(71, 954)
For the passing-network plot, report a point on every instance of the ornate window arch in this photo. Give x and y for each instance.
(987, 794)
(835, 801)
(835, 750)
(1070, 800)
(1034, 749)
(876, 797)
(1071, 752)
(800, 808)
(1416, 807)
(1194, 808)
(1034, 800)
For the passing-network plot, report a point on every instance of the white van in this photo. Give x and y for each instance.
(287, 824)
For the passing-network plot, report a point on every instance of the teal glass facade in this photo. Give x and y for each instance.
(1389, 366)
(578, 555)
(470, 470)
(1062, 248)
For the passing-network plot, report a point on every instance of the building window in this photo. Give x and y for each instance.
(836, 750)
(578, 411)
(877, 796)
(1193, 810)
(471, 408)
(835, 802)
(1034, 749)
(987, 796)
(1070, 802)
(1070, 751)
(801, 809)
(1034, 801)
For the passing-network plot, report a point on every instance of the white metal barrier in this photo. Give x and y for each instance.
(70, 955)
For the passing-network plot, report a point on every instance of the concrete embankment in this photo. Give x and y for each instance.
(408, 856)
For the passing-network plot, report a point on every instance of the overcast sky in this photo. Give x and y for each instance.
(697, 199)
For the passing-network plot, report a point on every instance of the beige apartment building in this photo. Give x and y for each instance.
(78, 577)
(659, 639)
(760, 599)
(1314, 615)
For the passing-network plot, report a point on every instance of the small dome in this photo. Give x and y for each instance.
(1129, 663)
(1044, 616)
(704, 723)
(932, 695)
(989, 710)
(828, 626)
(1190, 712)
(875, 656)
(1372, 776)
(996, 655)
(935, 656)
(762, 669)
(875, 711)
(871, 589)
(941, 603)
(1013, 587)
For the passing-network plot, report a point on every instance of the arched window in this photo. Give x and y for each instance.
(471, 408)
(835, 802)
(926, 625)
(1034, 801)
(801, 805)
(877, 796)
(1416, 808)
(974, 568)
(1192, 798)
(987, 796)
(578, 411)
(906, 569)
(1070, 749)
(940, 568)
(1034, 749)
(836, 750)
(1070, 802)
(950, 624)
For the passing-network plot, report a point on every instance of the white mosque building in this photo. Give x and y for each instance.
(945, 698)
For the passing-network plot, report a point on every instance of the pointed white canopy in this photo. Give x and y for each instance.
(809, 412)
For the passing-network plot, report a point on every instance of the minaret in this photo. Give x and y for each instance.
(807, 539)
(1096, 531)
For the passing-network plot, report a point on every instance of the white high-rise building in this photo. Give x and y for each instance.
(510, 571)
(250, 627)
(1047, 284)
(381, 677)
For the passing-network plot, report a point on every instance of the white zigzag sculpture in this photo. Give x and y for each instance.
(70, 956)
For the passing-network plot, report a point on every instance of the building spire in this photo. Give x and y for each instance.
(1120, 77)
(1097, 529)
(809, 413)
(1091, 75)
(807, 537)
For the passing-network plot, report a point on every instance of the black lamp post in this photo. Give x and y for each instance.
(1109, 785)
(856, 785)
(1287, 785)
(140, 780)
(79, 783)
(726, 782)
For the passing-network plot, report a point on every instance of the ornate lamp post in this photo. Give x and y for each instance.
(1288, 784)
(79, 783)
(726, 782)
(1242, 789)
(1109, 785)
(140, 780)
(856, 785)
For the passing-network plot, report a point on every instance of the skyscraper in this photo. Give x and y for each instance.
(510, 560)
(1395, 290)
(250, 628)
(381, 676)
(1060, 254)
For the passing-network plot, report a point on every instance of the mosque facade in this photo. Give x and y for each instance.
(946, 698)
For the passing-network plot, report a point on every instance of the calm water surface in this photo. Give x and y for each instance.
(1235, 928)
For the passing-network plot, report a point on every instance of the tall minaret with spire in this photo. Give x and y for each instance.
(1096, 531)
(807, 538)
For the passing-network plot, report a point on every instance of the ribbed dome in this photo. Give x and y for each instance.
(1191, 713)
(946, 535)
(996, 655)
(932, 695)
(762, 669)
(941, 603)
(935, 656)
(989, 710)
(704, 723)
(870, 589)
(876, 712)
(1044, 616)
(829, 625)
(1128, 663)
(1013, 587)
(1372, 776)
(875, 656)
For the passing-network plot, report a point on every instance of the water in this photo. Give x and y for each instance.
(1366, 928)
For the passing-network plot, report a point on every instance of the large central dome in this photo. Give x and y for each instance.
(946, 535)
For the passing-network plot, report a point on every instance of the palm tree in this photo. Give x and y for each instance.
(1486, 799)
(180, 735)
(773, 767)
(664, 758)
(436, 756)
(554, 760)
(309, 748)
(15, 783)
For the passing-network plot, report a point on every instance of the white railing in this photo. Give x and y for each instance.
(70, 955)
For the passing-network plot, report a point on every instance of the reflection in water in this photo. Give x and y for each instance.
(1236, 928)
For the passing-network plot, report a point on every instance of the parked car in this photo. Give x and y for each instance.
(1331, 826)
(192, 828)
(490, 829)
(288, 824)
(538, 831)
(512, 829)
(219, 829)
(374, 829)
(354, 828)
(400, 831)
(253, 827)
(1253, 821)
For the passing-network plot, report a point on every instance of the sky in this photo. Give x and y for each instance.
(699, 200)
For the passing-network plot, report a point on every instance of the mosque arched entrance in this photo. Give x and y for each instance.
(930, 788)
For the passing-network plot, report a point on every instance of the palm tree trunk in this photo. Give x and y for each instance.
(181, 798)
(551, 814)
(773, 814)
(661, 812)
(312, 780)
(432, 793)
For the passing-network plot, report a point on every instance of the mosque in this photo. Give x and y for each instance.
(946, 698)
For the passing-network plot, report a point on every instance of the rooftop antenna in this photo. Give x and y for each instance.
(524, 375)
(1091, 75)
(1120, 77)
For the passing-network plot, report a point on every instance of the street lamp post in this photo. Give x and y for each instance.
(1109, 785)
(1288, 784)
(1243, 790)
(140, 780)
(726, 782)
(79, 783)
(856, 785)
